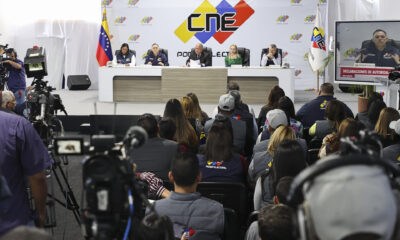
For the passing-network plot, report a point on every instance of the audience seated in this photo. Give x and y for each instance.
(185, 135)
(156, 153)
(154, 227)
(335, 113)
(219, 163)
(262, 160)
(273, 100)
(314, 110)
(392, 152)
(7, 102)
(387, 135)
(204, 116)
(226, 107)
(193, 117)
(185, 207)
(348, 128)
(363, 116)
(289, 160)
(275, 222)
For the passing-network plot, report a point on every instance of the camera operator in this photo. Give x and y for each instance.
(16, 81)
(23, 159)
(2, 49)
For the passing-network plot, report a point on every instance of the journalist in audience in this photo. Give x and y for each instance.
(154, 227)
(197, 109)
(335, 113)
(273, 102)
(157, 153)
(289, 160)
(167, 128)
(220, 163)
(262, 160)
(275, 222)
(363, 116)
(314, 110)
(374, 111)
(185, 134)
(188, 211)
(387, 135)
(348, 128)
(392, 152)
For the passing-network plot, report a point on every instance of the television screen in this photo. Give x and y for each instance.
(365, 51)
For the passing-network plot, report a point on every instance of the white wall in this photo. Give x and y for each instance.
(389, 10)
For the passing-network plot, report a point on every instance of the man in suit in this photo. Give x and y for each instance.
(198, 54)
(156, 153)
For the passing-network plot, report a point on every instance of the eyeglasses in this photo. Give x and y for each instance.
(380, 36)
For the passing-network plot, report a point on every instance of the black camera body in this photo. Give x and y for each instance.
(4, 67)
(394, 74)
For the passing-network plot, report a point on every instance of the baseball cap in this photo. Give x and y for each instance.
(349, 200)
(276, 118)
(395, 125)
(226, 102)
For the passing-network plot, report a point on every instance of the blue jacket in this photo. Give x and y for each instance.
(382, 58)
(314, 110)
(124, 59)
(155, 60)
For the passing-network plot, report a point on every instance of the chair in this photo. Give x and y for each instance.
(245, 54)
(231, 225)
(312, 156)
(205, 50)
(230, 195)
(162, 50)
(131, 51)
(266, 51)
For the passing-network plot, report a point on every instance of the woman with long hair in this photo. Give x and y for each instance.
(193, 116)
(185, 135)
(387, 135)
(200, 114)
(220, 163)
(289, 160)
(233, 57)
(262, 160)
(348, 128)
(273, 102)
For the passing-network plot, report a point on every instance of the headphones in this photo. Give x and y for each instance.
(303, 222)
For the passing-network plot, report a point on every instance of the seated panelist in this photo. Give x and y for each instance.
(156, 58)
(125, 56)
(233, 57)
(273, 57)
(204, 58)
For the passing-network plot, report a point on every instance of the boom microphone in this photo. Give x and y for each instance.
(135, 137)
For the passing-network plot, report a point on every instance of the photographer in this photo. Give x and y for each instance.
(23, 159)
(16, 81)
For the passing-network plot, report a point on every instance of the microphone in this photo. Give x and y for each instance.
(135, 137)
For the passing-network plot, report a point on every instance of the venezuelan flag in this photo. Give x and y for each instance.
(104, 52)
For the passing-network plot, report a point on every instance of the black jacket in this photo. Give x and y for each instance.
(205, 58)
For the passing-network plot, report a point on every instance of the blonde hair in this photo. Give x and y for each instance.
(382, 125)
(189, 108)
(280, 134)
(236, 54)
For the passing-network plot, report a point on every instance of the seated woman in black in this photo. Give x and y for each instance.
(125, 57)
(219, 163)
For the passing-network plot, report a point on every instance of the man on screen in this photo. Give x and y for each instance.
(380, 53)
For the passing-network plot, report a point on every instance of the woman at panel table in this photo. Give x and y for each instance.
(273, 57)
(233, 57)
(124, 56)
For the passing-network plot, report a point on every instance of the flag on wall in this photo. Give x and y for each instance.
(317, 52)
(104, 52)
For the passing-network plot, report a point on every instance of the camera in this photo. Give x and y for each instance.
(112, 198)
(4, 72)
(394, 74)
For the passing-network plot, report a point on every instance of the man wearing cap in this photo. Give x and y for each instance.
(392, 152)
(226, 107)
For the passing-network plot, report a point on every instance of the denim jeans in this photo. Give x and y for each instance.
(20, 96)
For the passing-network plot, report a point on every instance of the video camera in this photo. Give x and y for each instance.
(394, 74)
(42, 105)
(112, 198)
(3, 66)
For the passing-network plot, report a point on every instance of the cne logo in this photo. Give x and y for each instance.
(305, 57)
(310, 18)
(297, 72)
(219, 22)
(284, 54)
(323, 1)
(106, 3)
(296, 36)
(119, 20)
(295, 1)
(134, 37)
(144, 55)
(133, 3)
(324, 104)
(352, 53)
(146, 20)
(282, 18)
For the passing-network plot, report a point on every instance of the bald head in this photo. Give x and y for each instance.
(199, 48)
